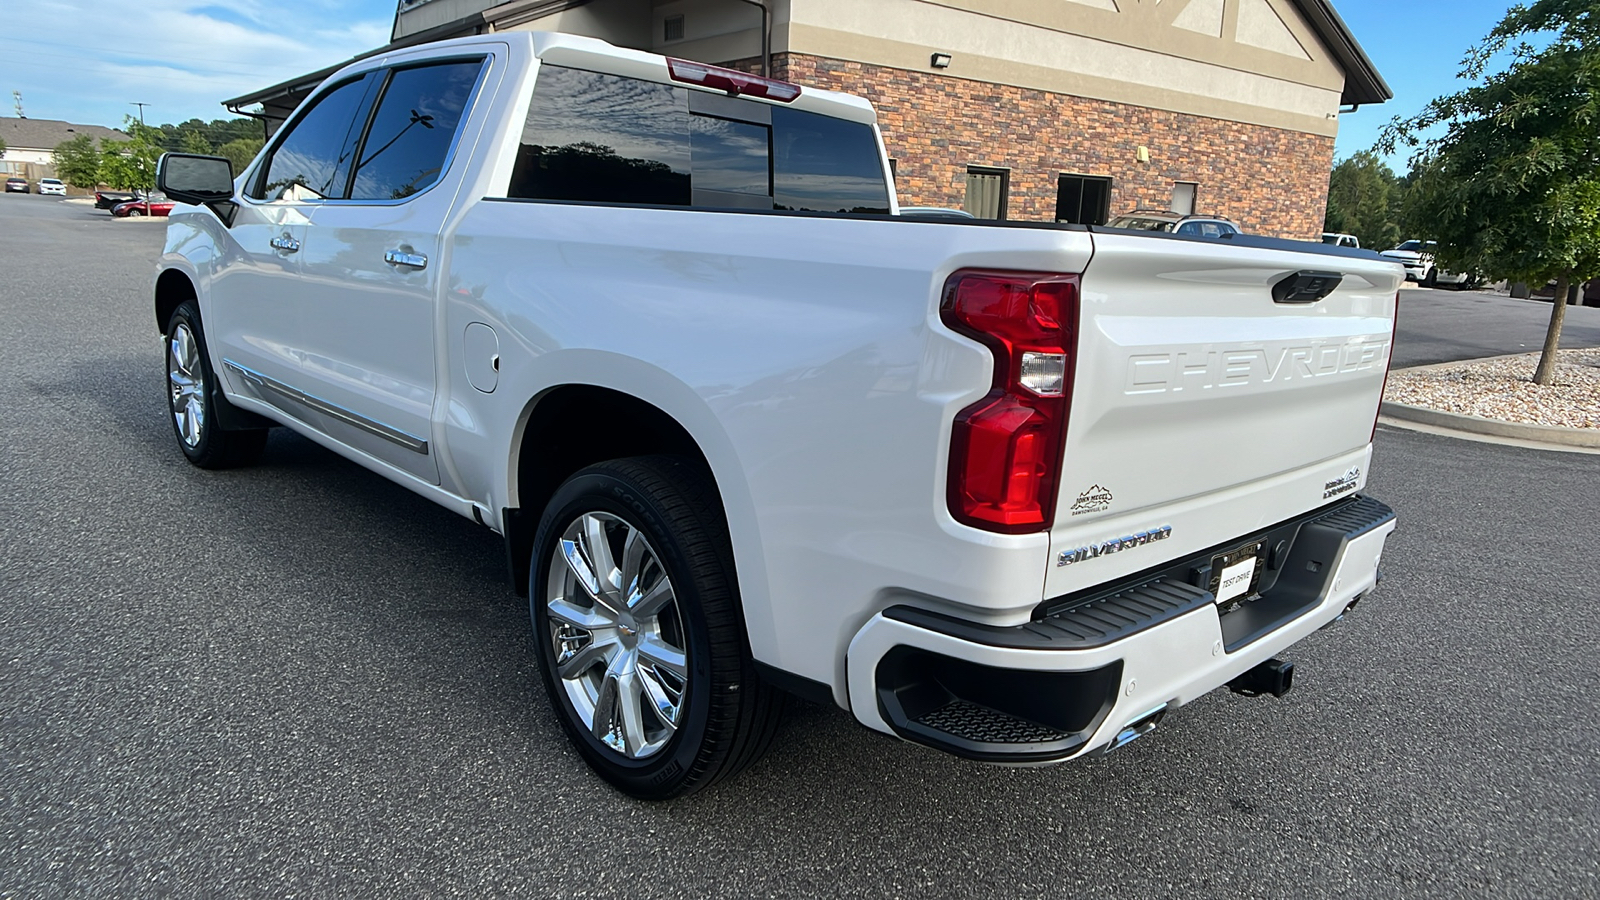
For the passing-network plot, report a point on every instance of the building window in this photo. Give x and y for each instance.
(1183, 194)
(672, 28)
(988, 191)
(1083, 199)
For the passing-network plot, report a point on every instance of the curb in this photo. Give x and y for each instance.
(1555, 436)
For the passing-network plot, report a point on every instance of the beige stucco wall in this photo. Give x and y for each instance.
(1135, 55)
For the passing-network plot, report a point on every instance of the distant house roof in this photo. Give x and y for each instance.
(45, 134)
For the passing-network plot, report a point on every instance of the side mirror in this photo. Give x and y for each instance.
(199, 180)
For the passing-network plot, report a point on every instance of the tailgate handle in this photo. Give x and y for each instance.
(1306, 286)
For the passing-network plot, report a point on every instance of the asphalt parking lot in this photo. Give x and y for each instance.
(301, 680)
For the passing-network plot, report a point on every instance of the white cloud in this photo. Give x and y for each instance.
(88, 61)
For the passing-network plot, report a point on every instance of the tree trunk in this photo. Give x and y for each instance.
(1552, 338)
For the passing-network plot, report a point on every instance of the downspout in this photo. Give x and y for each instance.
(766, 38)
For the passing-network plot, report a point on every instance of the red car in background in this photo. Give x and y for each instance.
(156, 205)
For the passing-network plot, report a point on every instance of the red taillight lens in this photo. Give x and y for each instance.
(732, 81)
(1394, 332)
(1005, 450)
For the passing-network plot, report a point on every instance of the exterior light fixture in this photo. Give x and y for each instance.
(940, 61)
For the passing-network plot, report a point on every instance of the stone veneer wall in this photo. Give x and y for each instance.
(1270, 181)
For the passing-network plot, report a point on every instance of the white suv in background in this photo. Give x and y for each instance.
(1417, 257)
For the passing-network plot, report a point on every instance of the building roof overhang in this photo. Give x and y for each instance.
(1362, 85)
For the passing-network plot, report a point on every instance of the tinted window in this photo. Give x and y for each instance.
(824, 164)
(1207, 229)
(416, 122)
(731, 163)
(602, 138)
(611, 139)
(313, 159)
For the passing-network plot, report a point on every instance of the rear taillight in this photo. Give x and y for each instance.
(732, 81)
(1394, 331)
(1005, 450)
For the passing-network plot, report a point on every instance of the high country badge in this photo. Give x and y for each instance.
(1344, 484)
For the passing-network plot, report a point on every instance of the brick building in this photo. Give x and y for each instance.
(1041, 110)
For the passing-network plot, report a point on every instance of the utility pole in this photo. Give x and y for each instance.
(152, 183)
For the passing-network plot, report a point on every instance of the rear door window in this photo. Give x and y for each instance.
(312, 161)
(419, 112)
(604, 138)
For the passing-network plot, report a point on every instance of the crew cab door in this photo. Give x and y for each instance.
(252, 323)
(371, 268)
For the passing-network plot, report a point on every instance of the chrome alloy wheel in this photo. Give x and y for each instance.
(618, 639)
(187, 383)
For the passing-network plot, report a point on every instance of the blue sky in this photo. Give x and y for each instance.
(87, 61)
(1418, 45)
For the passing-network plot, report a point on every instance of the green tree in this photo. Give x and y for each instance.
(1512, 186)
(77, 161)
(240, 151)
(130, 164)
(1362, 194)
(195, 142)
(2, 149)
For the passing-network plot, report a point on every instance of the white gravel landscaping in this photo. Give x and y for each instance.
(1502, 388)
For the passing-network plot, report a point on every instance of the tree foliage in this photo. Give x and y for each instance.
(1512, 187)
(240, 152)
(195, 142)
(131, 164)
(77, 162)
(1364, 198)
(2, 148)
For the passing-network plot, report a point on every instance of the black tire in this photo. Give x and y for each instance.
(1431, 280)
(726, 716)
(200, 435)
(135, 213)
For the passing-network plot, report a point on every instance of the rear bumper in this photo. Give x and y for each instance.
(1073, 679)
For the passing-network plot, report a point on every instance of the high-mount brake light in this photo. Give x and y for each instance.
(1005, 450)
(734, 82)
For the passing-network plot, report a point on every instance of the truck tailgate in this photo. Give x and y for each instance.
(1203, 405)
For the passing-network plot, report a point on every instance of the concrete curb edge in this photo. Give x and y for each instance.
(1555, 435)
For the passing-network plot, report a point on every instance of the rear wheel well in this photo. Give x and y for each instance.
(172, 288)
(574, 426)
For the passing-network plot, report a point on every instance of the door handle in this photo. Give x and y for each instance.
(284, 244)
(402, 258)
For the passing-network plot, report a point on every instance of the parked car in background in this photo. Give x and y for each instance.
(154, 205)
(1341, 240)
(1417, 257)
(935, 212)
(52, 186)
(1167, 221)
(16, 184)
(113, 199)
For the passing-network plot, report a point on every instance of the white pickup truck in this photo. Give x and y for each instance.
(1009, 490)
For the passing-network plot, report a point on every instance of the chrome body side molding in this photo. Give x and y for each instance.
(394, 435)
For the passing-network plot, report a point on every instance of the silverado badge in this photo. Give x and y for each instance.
(1115, 545)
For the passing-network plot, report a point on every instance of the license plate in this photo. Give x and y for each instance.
(1235, 574)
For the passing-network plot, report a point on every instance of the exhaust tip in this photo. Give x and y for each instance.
(1275, 677)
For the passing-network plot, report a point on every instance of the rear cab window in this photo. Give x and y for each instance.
(591, 137)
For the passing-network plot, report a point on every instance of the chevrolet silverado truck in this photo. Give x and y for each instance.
(1012, 491)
